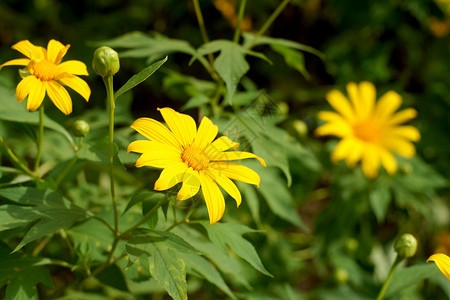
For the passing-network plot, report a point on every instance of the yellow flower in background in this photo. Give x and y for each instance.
(46, 74)
(369, 130)
(442, 262)
(193, 157)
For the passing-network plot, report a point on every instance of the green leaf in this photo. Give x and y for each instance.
(251, 198)
(144, 196)
(230, 64)
(128, 40)
(51, 211)
(113, 276)
(203, 268)
(293, 59)
(223, 234)
(380, 198)
(165, 265)
(140, 77)
(98, 152)
(410, 276)
(265, 40)
(196, 101)
(22, 273)
(148, 205)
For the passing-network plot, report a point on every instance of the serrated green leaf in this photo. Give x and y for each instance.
(128, 40)
(196, 101)
(380, 198)
(293, 59)
(160, 249)
(23, 274)
(140, 77)
(230, 64)
(408, 277)
(113, 276)
(51, 211)
(143, 196)
(223, 234)
(98, 152)
(251, 198)
(201, 266)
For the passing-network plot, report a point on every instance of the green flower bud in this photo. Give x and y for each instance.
(106, 61)
(283, 108)
(24, 73)
(300, 127)
(80, 128)
(340, 275)
(406, 246)
(352, 245)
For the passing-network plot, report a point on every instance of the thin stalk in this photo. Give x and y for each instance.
(186, 218)
(16, 160)
(239, 21)
(104, 223)
(110, 99)
(201, 24)
(389, 277)
(41, 245)
(269, 22)
(66, 170)
(40, 138)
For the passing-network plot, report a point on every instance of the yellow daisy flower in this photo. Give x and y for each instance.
(48, 74)
(192, 157)
(370, 131)
(442, 262)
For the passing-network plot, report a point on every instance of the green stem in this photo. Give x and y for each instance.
(40, 138)
(110, 99)
(201, 24)
(16, 160)
(66, 170)
(269, 22)
(186, 218)
(389, 277)
(105, 223)
(239, 21)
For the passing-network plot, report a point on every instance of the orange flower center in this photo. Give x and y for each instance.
(42, 69)
(367, 131)
(195, 158)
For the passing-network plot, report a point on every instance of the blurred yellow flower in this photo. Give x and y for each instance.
(370, 131)
(192, 157)
(442, 262)
(45, 73)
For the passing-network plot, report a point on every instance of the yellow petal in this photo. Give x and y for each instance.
(388, 161)
(157, 159)
(403, 116)
(368, 96)
(183, 126)
(156, 131)
(355, 153)
(144, 146)
(56, 51)
(236, 155)
(25, 86)
(442, 262)
(36, 96)
(329, 116)
(370, 162)
(236, 172)
(73, 67)
(207, 132)
(386, 106)
(59, 96)
(343, 149)
(406, 132)
(401, 146)
(226, 184)
(213, 197)
(170, 176)
(16, 62)
(355, 98)
(78, 85)
(339, 129)
(30, 50)
(338, 101)
(191, 185)
(221, 144)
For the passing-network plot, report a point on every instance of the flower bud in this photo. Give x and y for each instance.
(300, 127)
(340, 275)
(106, 61)
(24, 73)
(406, 246)
(80, 128)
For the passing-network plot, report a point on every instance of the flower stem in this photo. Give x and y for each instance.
(110, 99)
(66, 170)
(269, 22)
(389, 277)
(239, 21)
(16, 160)
(40, 138)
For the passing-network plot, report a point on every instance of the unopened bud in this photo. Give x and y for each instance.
(80, 128)
(106, 61)
(340, 275)
(300, 127)
(406, 246)
(24, 73)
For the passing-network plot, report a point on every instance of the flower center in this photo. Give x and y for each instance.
(195, 158)
(42, 69)
(367, 131)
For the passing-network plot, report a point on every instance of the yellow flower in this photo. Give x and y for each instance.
(48, 74)
(370, 131)
(192, 157)
(442, 262)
